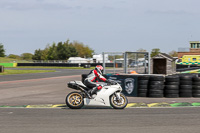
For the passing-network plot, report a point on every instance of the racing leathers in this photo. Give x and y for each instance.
(92, 81)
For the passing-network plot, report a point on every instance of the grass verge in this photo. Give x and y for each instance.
(9, 72)
(9, 60)
(54, 67)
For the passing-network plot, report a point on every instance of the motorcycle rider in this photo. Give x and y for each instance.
(93, 78)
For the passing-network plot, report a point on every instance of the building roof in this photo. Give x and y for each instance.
(164, 55)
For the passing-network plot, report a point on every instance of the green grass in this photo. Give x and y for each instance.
(9, 60)
(10, 72)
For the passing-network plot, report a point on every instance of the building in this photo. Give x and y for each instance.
(99, 58)
(194, 49)
(163, 64)
(78, 60)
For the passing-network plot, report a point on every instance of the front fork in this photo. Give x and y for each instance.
(117, 94)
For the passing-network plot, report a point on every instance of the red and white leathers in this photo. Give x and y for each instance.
(93, 78)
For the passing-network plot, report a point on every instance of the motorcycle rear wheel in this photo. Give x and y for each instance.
(75, 100)
(118, 104)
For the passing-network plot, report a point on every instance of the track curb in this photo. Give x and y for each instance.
(130, 105)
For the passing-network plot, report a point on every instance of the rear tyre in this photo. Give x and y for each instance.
(118, 104)
(74, 100)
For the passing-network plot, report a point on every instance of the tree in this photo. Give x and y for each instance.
(62, 51)
(44, 55)
(112, 57)
(83, 51)
(37, 55)
(173, 53)
(141, 50)
(2, 50)
(155, 52)
(26, 56)
(13, 56)
(52, 53)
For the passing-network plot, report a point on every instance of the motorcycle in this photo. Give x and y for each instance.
(109, 95)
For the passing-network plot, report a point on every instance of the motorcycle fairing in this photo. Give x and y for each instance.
(103, 96)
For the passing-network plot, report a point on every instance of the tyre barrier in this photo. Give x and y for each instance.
(196, 87)
(171, 87)
(185, 88)
(156, 86)
(143, 82)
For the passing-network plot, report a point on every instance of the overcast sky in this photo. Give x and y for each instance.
(103, 25)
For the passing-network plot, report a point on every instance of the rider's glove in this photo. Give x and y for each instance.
(99, 87)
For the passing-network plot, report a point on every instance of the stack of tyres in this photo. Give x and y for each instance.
(156, 86)
(171, 86)
(185, 88)
(196, 87)
(143, 86)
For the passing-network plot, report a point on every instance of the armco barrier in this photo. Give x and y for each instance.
(68, 64)
(8, 64)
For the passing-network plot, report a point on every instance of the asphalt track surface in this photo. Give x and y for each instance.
(145, 120)
(50, 88)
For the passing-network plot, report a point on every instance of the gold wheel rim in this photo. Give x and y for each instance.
(119, 104)
(75, 99)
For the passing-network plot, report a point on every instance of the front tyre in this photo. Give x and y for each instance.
(118, 104)
(74, 100)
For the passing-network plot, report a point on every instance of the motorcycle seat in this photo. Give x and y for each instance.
(75, 84)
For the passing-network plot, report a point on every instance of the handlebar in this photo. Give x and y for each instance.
(112, 83)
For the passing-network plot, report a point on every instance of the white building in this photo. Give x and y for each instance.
(99, 58)
(78, 60)
(95, 59)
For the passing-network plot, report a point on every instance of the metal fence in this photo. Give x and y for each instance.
(115, 58)
(137, 62)
(132, 62)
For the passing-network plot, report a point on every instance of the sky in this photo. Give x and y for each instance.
(103, 25)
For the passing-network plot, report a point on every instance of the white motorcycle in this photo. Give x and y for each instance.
(109, 95)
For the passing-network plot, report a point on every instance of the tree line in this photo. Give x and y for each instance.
(55, 51)
(64, 50)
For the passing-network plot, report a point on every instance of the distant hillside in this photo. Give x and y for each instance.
(9, 60)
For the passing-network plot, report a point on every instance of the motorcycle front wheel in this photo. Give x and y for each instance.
(118, 104)
(75, 100)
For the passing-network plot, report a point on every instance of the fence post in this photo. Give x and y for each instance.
(104, 64)
(1, 69)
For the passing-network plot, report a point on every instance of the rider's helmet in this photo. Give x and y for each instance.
(99, 69)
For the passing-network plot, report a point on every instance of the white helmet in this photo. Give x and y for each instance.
(99, 69)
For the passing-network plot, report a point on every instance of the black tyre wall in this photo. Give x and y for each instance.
(172, 86)
(156, 86)
(143, 82)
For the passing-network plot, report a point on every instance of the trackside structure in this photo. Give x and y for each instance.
(163, 64)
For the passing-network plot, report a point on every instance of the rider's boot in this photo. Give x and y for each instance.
(88, 94)
(93, 91)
